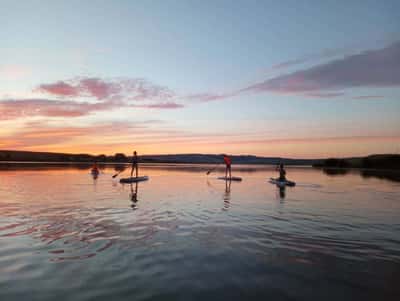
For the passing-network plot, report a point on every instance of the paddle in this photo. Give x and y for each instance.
(212, 169)
(117, 174)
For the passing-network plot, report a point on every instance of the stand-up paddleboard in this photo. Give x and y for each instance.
(282, 183)
(133, 179)
(230, 179)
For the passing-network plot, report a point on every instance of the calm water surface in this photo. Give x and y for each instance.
(185, 236)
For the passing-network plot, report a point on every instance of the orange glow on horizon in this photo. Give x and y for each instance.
(108, 139)
(291, 149)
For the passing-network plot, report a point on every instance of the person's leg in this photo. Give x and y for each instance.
(137, 170)
(226, 171)
(230, 171)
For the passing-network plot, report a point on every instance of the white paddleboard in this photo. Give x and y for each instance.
(230, 179)
(133, 179)
(281, 183)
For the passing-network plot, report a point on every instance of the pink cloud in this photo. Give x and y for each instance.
(59, 88)
(207, 97)
(161, 105)
(98, 88)
(109, 94)
(19, 108)
(12, 109)
(105, 89)
(374, 68)
(141, 89)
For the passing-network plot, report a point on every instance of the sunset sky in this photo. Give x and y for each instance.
(298, 79)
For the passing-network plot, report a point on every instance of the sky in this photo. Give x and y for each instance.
(300, 79)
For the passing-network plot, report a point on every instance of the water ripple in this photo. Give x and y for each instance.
(193, 241)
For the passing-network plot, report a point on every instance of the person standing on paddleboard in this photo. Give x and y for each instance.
(282, 172)
(228, 163)
(135, 163)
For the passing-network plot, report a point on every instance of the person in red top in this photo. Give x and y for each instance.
(228, 163)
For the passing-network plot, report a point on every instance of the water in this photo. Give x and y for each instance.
(185, 236)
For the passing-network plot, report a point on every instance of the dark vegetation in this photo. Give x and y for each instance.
(25, 156)
(388, 162)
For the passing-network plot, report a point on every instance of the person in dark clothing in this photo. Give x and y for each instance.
(282, 172)
(135, 164)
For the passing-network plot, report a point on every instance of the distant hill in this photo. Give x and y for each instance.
(25, 156)
(385, 161)
(217, 158)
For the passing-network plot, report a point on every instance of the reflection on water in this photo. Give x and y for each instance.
(134, 194)
(336, 171)
(66, 236)
(365, 173)
(282, 192)
(227, 194)
(386, 175)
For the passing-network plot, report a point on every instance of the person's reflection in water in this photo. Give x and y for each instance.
(227, 194)
(133, 196)
(282, 193)
(94, 177)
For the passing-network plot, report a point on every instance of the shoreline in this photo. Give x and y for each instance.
(183, 164)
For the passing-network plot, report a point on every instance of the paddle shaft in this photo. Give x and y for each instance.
(117, 173)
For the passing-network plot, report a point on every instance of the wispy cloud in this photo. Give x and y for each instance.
(21, 108)
(59, 88)
(136, 89)
(373, 68)
(161, 105)
(37, 134)
(207, 97)
(147, 136)
(368, 97)
(325, 94)
(17, 108)
(324, 54)
(99, 95)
